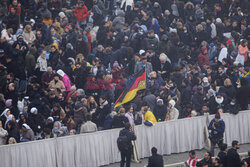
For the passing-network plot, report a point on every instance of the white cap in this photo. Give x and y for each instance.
(172, 102)
(61, 14)
(141, 52)
(51, 118)
(33, 110)
(205, 79)
(60, 72)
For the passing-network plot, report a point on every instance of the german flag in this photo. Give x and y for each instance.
(138, 82)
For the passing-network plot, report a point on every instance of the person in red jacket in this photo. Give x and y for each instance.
(203, 57)
(81, 13)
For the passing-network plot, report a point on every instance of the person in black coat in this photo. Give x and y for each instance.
(155, 160)
(102, 111)
(36, 121)
(13, 131)
(160, 110)
(186, 93)
(228, 89)
(126, 154)
(164, 67)
(242, 94)
(223, 154)
(198, 99)
(206, 160)
(53, 57)
(119, 119)
(232, 107)
(13, 20)
(233, 158)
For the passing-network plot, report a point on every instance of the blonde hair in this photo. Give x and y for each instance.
(13, 140)
(88, 102)
(227, 82)
(163, 56)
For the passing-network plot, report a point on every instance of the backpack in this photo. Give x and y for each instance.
(123, 143)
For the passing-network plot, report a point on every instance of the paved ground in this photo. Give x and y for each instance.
(181, 157)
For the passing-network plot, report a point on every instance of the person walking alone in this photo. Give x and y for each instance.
(125, 146)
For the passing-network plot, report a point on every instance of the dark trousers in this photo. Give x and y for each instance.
(125, 155)
(213, 144)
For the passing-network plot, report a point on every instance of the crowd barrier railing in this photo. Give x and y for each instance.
(100, 148)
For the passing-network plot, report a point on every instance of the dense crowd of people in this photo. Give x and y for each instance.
(63, 64)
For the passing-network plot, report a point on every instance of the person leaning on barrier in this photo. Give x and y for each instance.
(217, 129)
(124, 144)
(155, 160)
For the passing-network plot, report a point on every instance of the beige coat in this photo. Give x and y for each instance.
(89, 126)
(54, 86)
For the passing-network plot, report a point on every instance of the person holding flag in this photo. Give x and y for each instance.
(134, 84)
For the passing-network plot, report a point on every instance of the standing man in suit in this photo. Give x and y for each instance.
(233, 158)
(155, 160)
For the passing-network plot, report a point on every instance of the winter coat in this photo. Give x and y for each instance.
(186, 95)
(220, 129)
(119, 121)
(163, 44)
(14, 132)
(13, 22)
(242, 95)
(160, 112)
(172, 50)
(198, 101)
(79, 116)
(150, 100)
(43, 63)
(233, 158)
(101, 113)
(230, 91)
(202, 59)
(164, 67)
(127, 3)
(81, 14)
(172, 114)
(29, 37)
(149, 116)
(57, 85)
(36, 122)
(153, 43)
(3, 136)
(155, 27)
(66, 82)
(119, 21)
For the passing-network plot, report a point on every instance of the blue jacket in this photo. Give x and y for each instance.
(219, 130)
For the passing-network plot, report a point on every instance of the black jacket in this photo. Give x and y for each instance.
(155, 161)
(130, 135)
(100, 114)
(160, 112)
(223, 158)
(119, 121)
(203, 161)
(233, 158)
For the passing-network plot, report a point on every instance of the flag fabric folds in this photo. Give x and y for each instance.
(138, 82)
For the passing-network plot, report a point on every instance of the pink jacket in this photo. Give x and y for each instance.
(66, 82)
